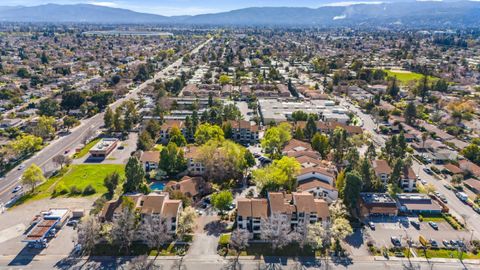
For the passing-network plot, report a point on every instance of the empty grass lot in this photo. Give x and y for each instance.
(80, 176)
(405, 76)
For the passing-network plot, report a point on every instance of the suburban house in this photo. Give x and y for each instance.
(382, 170)
(150, 160)
(194, 167)
(473, 184)
(296, 207)
(151, 206)
(193, 187)
(167, 127)
(329, 127)
(408, 182)
(244, 132)
(377, 204)
(469, 167)
(417, 203)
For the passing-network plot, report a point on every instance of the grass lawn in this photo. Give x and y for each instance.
(434, 219)
(86, 148)
(445, 253)
(80, 176)
(405, 77)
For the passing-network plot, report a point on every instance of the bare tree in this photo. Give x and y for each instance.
(299, 233)
(124, 228)
(154, 233)
(88, 135)
(142, 263)
(316, 235)
(186, 221)
(62, 160)
(275, 230)
(89, 234)
(239, 239)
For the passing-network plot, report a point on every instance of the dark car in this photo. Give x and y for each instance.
(396, 241)
(428, 171)
(415, 224)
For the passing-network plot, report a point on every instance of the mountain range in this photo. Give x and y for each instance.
(408, 13)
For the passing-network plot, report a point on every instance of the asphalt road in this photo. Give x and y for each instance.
(44, 157)
(59, 262)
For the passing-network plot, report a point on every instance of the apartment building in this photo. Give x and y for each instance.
(382, 170)
(244, 132)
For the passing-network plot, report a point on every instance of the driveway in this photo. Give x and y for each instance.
(205, 241)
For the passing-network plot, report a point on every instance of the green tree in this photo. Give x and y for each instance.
(69, 122)
(172, 160)
(282, 173)
(177, 137)
(48, 107)
(108, 118)
(321, 144)
(275, 139)
(45, 127)
(72, 100)
(310, 128)
(472, 152)
(222, 200)
(367, 174)
(352, 189)
(134, 174)
(339, 143)
(32, 176)
(340, 182)
(144, 141)
(392, 88)
(206, 132)
(224, 79)
(111, 182)
(118, 123)
(299, 135)
(410, 113)
(423, 88)
(227, 130)
(371, 151)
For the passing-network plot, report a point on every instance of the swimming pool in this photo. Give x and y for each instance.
(157, 186)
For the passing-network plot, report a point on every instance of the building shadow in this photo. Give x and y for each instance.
(355, 239)
(25, 256)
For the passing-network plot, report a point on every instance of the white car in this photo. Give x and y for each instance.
(21, 167)
(17, 189)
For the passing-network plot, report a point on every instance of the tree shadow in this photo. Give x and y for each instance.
(355, 239)
(215, 228)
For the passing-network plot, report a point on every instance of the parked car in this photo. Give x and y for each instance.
(447, 244)
(423, 182)
(415, 224)
(396, 241)
(21, 167)
(428, 171)
(72, 222)
(433, 243)
(448, 187)
(371, 225)
(17, 189)
(433, 225)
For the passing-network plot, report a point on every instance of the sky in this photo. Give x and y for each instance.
(182, 7)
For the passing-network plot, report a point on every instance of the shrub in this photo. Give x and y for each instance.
(420, 218)
(224, 240)
(74, 190)
(435, 169)
(89, 190)
(60, 189)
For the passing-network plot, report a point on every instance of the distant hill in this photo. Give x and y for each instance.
(80, 13)
(412, 13)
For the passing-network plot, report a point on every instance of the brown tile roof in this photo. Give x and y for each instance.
(304, 202)
(452, 168)
(321, 207)
(190, 186)
(319, 170)
(473, 183)
(150, 156)
(257, 208)
(310, 153)
(297, 145)
(168, 124)
(243, 124)
(314, 183)
(408, 173)
(279, 202)
(191, 152)
(381, 166)
(171, 208)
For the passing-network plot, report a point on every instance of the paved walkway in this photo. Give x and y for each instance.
(205, 241)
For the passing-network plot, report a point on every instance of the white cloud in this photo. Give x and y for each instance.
(104, 4)
(351, 3)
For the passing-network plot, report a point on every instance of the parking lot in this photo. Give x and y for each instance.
(402, 228)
